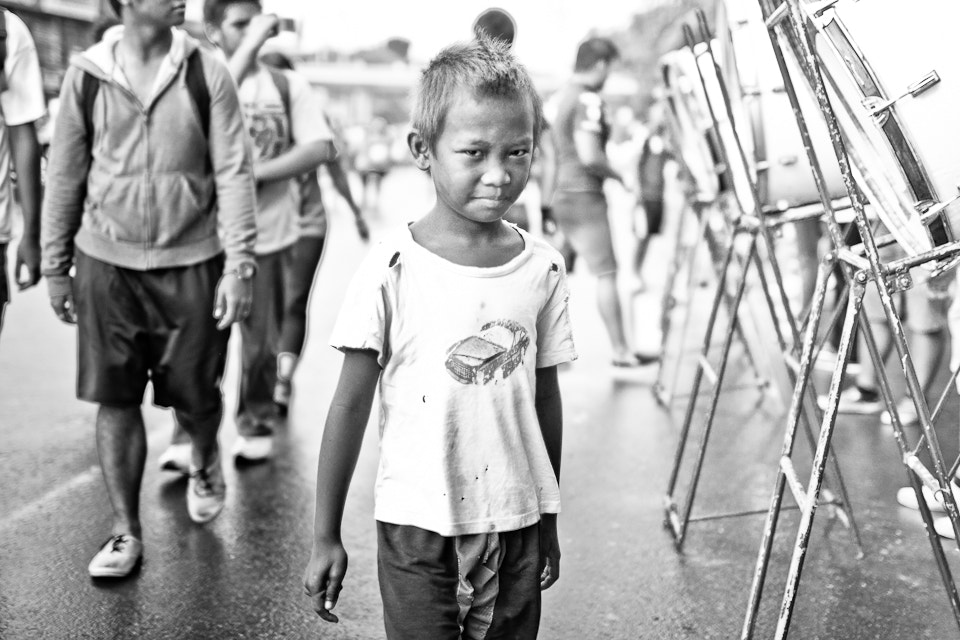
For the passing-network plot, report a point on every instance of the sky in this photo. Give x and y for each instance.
(547, 34)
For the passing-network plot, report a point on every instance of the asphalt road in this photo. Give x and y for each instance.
(239, 576)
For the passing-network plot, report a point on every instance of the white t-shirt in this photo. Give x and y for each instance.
(21, 103)
(461, 451)
(269, 127)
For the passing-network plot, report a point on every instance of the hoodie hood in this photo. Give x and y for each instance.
(99, 60)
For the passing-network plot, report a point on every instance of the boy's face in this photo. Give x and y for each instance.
(481, 160)
(233, 28)
(167, 13)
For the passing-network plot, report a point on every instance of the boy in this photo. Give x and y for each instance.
(287, 144)
(148, 233)
(463, 320)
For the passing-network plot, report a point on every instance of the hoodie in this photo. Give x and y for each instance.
(145, 196)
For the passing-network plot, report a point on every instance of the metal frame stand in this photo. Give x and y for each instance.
(784, 19)
(758, 252)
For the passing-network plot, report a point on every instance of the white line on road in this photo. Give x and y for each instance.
(32, 508)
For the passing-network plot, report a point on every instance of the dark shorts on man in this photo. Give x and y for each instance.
(653, 209)
(158, 326)
(431, 584)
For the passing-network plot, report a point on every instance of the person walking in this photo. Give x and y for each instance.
(290, 139)
(579, 206)
(150, 199)
(463, 319)
(21, 105)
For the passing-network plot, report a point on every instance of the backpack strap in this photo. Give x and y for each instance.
(198, 90)
(3, 49)
(282, 83)
(89, 88)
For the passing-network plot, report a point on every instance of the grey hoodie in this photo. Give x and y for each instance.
(143, 198)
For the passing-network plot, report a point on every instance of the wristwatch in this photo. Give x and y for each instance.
(244, 271)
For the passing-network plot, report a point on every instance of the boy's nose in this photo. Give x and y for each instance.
(496, 175)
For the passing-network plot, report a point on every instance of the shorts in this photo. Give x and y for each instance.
(653, 210)
(157, 326)
(431, 585)
(582, 216)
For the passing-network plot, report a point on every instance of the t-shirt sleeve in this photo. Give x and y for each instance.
(306, 113)
(362, 322)
(23, 101)
(554, 333)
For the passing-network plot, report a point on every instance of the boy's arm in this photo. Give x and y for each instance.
(338, 176)
(262, 27)
(339, 450)
(550, 414)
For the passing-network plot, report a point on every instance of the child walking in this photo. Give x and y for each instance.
(462, 320)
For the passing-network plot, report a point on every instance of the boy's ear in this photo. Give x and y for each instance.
(212, 32)
(419, 150)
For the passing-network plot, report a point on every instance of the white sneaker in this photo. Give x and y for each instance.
(944, 528)
(907, 497)
(117, 558)
(852, 400)
(905, 410)
(252, 448)
(176, 458)
(206, 492)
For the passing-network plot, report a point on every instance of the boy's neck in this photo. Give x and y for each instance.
(146, 42)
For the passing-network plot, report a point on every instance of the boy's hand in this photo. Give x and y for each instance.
(549, 551)
(64, 308)
(233, 299)
(262, 27)
(323, 578)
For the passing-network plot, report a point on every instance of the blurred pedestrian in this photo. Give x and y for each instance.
(146, 233)
(21, 105)
(654, 156)
(373, 161)
(290, 139)
(307, 253)
(579, 205)
(463, 319)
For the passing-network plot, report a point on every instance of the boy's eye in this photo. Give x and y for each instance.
(520, 153)
(473, 153)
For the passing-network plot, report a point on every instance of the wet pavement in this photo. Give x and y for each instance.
(239, 576)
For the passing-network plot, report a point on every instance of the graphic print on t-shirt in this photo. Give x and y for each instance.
(492, 354)
(268, 130)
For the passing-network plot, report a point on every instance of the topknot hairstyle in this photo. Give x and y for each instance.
(483, 65)
(117, 7)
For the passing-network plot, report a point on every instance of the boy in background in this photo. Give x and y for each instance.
(462, 318)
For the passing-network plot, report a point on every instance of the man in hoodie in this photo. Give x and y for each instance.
(149, 158)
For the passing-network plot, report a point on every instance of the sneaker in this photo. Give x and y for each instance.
(252, 448)
(907, 497)
(855, 400)
(117, 558)
(206, 492)
(176, 458)
(944, 528)
(281, 395)
(905, 410)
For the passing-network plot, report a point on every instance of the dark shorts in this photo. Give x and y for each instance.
(431, 584)
(653, 210)
(156, 325)
(582, 216)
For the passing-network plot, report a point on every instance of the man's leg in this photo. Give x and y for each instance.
(4, 283)
(611, 311)
(122, 447)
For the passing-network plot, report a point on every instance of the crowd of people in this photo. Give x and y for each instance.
(154, 250)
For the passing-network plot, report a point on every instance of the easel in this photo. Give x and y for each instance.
(787, 28)
(755, 228)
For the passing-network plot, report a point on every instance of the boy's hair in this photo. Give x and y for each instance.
(485, 66)
(213, 10)
(592, 51)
